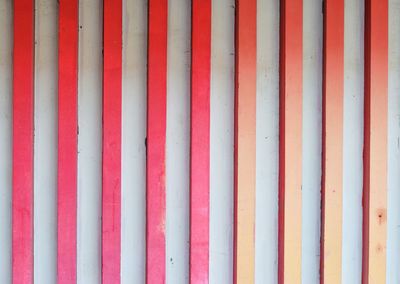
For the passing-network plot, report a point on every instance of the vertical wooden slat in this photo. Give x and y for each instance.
(290, 145)
(112, 100)
(200, 141)
(67, 141)
(375, 142)
(332, 139)
(22, 203)
(245, 139)
(156, 132)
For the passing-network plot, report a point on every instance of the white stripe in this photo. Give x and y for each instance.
(89, 141)
(45, 143)
(133, 246)
(266, 237)
(312, 136)
(353, 141)
(178, 141)
(221, 141)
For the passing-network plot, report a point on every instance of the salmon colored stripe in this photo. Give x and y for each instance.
(200, 141)
(22, 202)
(290, 145)
(156, 132)
(332, 162)
(245, 140)
(67, 141)
(112, 100)
(375, 142)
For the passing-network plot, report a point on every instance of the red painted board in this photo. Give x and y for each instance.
(290, 144)
(67, 141)
(112, 104)
(200, 141)
(375, 142)
(156, 135)
(332, 161)
(245, 140)
(22, 179)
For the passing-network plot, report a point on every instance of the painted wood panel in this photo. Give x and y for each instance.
(156, 132)
(22, 202)
(332, 139)
(200, 141)
(112, 118)
(290, 135)
(67, 141)
(375, 141)
(245, 140)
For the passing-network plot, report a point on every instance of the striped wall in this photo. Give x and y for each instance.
(217, 141)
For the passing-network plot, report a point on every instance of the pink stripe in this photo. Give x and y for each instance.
(156, 131)
(67, 140)
(200, 141)
(22, 207)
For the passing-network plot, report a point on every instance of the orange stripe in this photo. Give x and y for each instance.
(245, 137)
(290, 160)
(375, 155)
(332, 185)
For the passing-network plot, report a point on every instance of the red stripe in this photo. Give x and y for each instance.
(156, 131)
(375, 141)
(67, 140)
(332, 140)
(22, 207)
(290, 146)
(245, 140)
(112, 100)
(200, 141)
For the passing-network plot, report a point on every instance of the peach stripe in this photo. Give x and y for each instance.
(290, 161)
(245, 136)
(332, 180)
